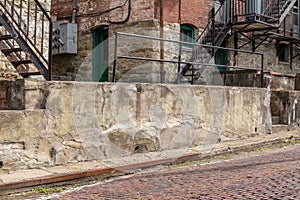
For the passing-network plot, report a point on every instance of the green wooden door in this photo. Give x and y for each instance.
(100, 54)
(221, 59)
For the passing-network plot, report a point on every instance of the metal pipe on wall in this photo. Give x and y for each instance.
(162, 52)
(180, 45)
(74, 11)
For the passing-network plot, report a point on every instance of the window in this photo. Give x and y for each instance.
(187, 35)
(283, 54)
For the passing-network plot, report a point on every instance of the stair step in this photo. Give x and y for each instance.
(20, 62)
(191, 69)
(27, 74)
(5, 37)
(9, 51)
(189, 75)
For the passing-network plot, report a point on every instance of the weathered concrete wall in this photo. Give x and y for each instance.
(285, 108)
(89, 121)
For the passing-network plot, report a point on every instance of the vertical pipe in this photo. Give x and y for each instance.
(225, 73)
(284, 27)
(230, 14)
(213, 26)
(35, 23)
(74, 11)
(253, 42)
(27, 24)
(225, 77)
(42, 34)
(180, 44)
(179, 12)
(20, 17)
(162, 70)
(262, 71)
(50, 52)
(193, 76)
(115, 57)
(291, 55)
(298, 16)
(179, 64)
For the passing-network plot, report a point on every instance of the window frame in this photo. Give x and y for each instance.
(283, 52)
(189, 37)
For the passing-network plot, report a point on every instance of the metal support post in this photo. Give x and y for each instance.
(115, 57)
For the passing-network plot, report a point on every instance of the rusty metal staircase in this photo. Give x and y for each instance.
(26, 37)
(264, 17)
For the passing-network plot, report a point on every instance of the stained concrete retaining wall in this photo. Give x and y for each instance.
(285, 108)
(72, 121)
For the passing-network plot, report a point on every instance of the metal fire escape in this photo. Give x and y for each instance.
(26, 37)
(254, 20)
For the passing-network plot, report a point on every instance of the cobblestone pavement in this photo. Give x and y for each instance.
(274, 175)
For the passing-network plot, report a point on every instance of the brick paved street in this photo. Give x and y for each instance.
(273, 175)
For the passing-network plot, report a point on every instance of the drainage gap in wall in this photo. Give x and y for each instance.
(136, 149)
(53, 154)
(1, 164)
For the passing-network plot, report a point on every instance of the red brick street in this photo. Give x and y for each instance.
(271, 175)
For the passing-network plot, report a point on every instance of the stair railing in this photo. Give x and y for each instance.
(218, 17)
(287, 7)
(32, 23)
(269, 11)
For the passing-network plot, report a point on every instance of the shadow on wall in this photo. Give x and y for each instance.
(12, 95)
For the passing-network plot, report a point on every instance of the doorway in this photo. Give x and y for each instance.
(100, 54)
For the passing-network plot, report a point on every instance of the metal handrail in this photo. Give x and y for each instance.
(186, 43)
(210, 23)
(22, 26)
(269, 7)
(273, 11)
(116, 56)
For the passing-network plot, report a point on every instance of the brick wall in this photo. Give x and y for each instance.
(193, 12)
(91, 14)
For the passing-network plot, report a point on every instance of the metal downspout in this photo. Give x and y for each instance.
(74, 11)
